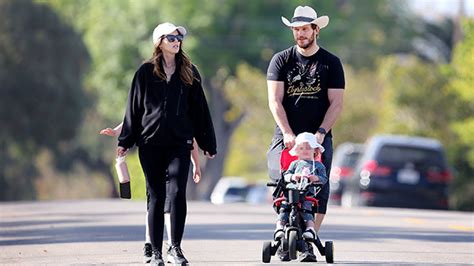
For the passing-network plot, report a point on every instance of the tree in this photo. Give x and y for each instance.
(221, 36)
(128, 25)
(252, 33)
(42, 62)
(462, 122)
(435, 100)
(251, 139)
(405, 108)
(435, 41)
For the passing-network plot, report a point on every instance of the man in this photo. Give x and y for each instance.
(305, 94)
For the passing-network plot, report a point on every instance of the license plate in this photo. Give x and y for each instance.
(408, 176)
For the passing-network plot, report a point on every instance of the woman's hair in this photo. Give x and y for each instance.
(182, 61)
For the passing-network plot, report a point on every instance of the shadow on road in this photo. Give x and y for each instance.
(68, 231)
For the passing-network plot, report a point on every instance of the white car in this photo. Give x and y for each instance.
(259, 193)
(229, 190)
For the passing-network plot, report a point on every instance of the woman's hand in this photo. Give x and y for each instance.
(121, 151)
(196, 174)
(208, 155)
(109, 132)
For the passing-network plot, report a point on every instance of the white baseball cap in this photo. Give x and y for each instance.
(166, 28)
(310, 139)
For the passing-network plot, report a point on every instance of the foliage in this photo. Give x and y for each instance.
(231, 44)
(38, 73)
(362, 100)
(427, 99)
(118, 36)
(247, 90)
(405, 109)
(434, 42)
(462, 123)
(359, 32)
(79, 183)
(42, 62)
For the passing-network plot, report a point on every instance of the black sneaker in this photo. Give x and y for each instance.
(175, 256)
(282, 255)
(147, 252)
(308, 254)
(157, 259)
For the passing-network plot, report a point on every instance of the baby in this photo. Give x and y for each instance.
(307, 149)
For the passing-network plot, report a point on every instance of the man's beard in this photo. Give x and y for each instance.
(310, 42)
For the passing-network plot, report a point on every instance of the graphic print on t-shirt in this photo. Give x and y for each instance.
(304, 81)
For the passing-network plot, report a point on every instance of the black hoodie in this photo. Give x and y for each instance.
(167, 114)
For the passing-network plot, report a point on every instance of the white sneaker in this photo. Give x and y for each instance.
(309, 234)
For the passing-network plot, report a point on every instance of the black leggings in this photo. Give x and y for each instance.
(156, 163)
(167, 201)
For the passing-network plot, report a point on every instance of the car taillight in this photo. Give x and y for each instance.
(338, 173)
(439, 177)
(346, 172)
(374, 169)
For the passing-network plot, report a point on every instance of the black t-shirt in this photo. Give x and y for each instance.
(307, 80)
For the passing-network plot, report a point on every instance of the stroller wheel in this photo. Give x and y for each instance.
(329, 251)
(292, 242)
(267, 251)
(284, 243)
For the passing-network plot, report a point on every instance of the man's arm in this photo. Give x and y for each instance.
(336, 97)
(275, 99)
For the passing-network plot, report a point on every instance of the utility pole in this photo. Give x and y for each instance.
(457, 31)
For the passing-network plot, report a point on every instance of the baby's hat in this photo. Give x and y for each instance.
(306, 137)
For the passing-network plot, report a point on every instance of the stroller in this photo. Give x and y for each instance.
(293, 240)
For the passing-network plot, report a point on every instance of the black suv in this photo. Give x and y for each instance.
(400, 171)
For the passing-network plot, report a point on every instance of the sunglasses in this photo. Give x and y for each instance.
(173, 38)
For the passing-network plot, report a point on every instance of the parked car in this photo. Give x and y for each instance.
(344, 160)
(400, 171)
(259, 193)
(230, 190)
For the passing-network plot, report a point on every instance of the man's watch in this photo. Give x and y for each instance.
(322, 131)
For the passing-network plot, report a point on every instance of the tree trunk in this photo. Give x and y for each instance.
(212, 170)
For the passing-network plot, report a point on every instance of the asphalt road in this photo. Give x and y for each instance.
(112, 232)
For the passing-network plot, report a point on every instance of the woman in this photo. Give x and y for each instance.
(166, 108)
(147, 249)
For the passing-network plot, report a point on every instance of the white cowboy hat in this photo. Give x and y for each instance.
(310, 139)
(166, 28)
(306, 15)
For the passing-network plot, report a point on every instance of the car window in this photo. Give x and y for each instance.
(350, 159)
(234, 191)
(399, 155)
